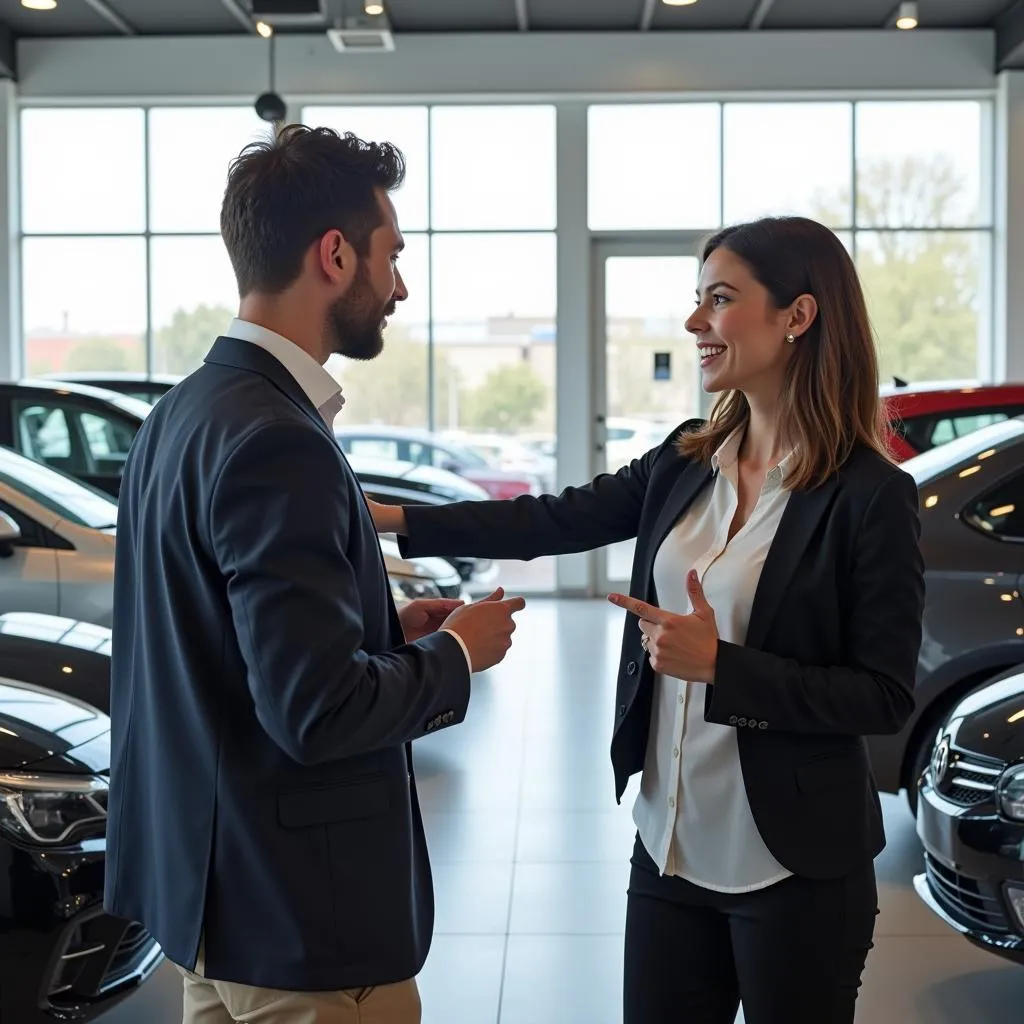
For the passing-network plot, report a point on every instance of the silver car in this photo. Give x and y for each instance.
(57, 548)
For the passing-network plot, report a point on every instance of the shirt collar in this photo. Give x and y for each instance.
(317, 384)
(724, 460)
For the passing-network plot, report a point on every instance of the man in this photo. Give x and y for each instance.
(264, 824)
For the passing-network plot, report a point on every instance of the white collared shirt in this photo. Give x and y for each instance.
(692, 812)
(317, 384)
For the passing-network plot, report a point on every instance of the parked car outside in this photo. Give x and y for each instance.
(921, 417)
(407, 444)
(507, 453)
(970, 818)
(61, 956)
(972, 539)
(149, 388)
(57, 539)
(80, 430)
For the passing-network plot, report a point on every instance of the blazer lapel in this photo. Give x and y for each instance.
(799, 521)
(681, 496)
(243, 355)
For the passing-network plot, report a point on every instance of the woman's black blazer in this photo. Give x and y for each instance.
(831, 648)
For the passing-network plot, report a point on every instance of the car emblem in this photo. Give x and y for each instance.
(940, 761)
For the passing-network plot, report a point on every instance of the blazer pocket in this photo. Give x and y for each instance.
(829, 771)
(364, 797)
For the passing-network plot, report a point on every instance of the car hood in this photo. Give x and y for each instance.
(990, 721)
(51, 732)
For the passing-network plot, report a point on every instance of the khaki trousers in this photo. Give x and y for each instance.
(226, 1002)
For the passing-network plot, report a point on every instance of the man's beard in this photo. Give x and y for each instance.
(355, 323)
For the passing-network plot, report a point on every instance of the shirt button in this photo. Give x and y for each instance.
(675, 753)
(671, 801)
(680, 698)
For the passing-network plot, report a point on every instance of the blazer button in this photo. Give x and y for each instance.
(762, 725)
(622, 710)
(733, 719)
(742, 721)
(631, 669)
(752, 724)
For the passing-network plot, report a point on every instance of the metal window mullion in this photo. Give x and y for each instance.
(150, 340)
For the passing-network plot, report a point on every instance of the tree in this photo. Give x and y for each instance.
(509, 399)
(921, 287)
(99, 353)
(182, 345)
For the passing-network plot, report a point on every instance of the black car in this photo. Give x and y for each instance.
(82, 430)
(145, 387)
(393, 482)
(61, 956)
(972, 539)
(970, 818)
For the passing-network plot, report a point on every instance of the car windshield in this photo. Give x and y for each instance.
(60, 494)
(940, 460)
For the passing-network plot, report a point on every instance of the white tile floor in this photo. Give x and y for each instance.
(531, 854)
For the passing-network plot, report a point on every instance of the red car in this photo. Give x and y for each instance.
(926, 416)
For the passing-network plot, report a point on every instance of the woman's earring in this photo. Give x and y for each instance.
(790, 338)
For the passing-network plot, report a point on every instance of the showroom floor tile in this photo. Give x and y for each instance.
(531, 853)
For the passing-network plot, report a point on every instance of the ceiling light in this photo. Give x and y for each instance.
(264, 29)
(373, 8)
(39, 5)
(906, 16)
(678, 3)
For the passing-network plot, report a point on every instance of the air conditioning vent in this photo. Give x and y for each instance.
(361, 40)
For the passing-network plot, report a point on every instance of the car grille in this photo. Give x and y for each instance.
(965, 899)
(98, 953)
(969, 779)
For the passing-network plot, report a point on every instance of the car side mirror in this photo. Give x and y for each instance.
(451, 466)
(10, 534)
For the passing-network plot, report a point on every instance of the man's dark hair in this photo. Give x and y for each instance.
(285, 193)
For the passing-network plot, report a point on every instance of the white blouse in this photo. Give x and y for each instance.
(692, 812)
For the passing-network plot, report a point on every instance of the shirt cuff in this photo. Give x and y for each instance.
(465, 649)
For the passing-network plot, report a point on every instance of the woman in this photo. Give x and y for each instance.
(778, 590)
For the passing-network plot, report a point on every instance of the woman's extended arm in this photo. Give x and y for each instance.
(579, 519)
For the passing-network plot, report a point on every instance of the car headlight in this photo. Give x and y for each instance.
(47, 810)
(409, 588)
(1010, 792)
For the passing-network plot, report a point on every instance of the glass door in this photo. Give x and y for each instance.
(647, 378)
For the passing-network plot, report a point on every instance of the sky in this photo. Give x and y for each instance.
(488, 168)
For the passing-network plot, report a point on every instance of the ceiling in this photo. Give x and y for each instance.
(191, 17)
(77, 18)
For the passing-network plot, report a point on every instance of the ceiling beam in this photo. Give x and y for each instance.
(761, 12)
(522, 16)
(105, 11)
(1010, 37)
(647, 15)
(236, 10)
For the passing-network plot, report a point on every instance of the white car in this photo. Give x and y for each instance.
(57, 548)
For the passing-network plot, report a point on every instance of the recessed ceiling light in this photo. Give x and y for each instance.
(906, 16)
(264, 29)
(373, 8)
(678, 3)
(39, 5)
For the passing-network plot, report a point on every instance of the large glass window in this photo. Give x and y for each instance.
(904, 185)
(125, 251)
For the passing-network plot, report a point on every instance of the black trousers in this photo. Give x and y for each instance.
(793, 952)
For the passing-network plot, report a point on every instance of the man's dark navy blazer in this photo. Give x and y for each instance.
(263, 698)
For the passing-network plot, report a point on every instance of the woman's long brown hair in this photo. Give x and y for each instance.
(830, 401)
